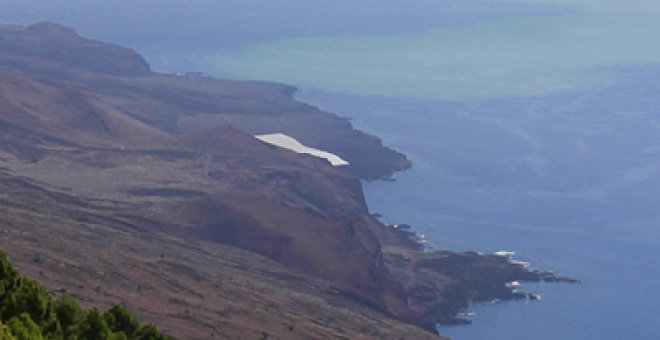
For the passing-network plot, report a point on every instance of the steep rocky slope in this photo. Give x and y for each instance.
(103, 252)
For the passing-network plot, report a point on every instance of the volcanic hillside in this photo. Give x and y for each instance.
(118, 184)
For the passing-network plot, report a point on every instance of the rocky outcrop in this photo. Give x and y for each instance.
(442, 284)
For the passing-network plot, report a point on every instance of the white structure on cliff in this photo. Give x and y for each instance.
(287, 142)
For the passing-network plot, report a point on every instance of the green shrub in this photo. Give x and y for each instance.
(29, 312)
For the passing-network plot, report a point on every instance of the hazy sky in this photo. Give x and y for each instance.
(209, 24)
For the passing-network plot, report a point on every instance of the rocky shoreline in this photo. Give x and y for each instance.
(441, 285)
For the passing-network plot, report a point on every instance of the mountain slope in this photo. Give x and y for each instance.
(104, 252)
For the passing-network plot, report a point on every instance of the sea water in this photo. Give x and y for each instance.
(565, 189)
(533, 126)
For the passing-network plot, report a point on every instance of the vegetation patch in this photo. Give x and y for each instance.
(29, 312)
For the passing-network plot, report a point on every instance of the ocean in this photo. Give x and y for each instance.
(533, 127)
(566, 190)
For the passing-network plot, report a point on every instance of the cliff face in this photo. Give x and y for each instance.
(150, 189)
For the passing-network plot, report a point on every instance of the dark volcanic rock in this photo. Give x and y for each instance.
(442, 284)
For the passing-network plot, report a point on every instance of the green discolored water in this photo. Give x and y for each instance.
(519, 56)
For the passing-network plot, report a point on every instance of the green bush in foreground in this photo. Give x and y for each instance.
(29, 312)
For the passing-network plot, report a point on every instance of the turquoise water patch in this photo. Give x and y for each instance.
(525, 56)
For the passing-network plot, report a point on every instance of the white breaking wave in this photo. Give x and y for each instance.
(505, 253)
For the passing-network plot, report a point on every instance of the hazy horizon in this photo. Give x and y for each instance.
(469, 49)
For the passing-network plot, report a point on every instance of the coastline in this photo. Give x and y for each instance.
(478, 278)
(448, 283)
(156, 156)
